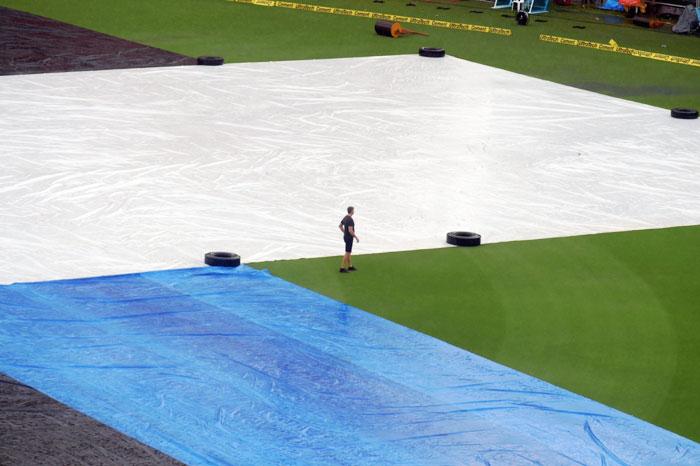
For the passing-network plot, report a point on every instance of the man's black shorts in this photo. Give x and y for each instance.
(348, 244)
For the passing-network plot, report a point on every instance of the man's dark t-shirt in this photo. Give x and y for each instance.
(347, 222)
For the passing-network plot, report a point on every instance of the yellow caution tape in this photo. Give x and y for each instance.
(376, 15)
(612, 46)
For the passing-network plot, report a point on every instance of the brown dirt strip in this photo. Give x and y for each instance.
(33, 44)
(35, 429)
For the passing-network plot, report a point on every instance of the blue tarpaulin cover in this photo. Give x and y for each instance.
(235, 366)
(612, 5)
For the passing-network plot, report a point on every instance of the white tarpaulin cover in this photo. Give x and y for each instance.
(120, 171)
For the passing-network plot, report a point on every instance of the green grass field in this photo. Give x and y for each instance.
(614, 317)
(251, 33)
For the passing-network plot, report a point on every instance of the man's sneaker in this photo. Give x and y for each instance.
(343, 270)
(352, 269)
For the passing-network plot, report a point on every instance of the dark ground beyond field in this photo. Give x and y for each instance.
(37, 430)
(32, 44)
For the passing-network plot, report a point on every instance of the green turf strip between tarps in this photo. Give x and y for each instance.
(244, 33)
(614, 317)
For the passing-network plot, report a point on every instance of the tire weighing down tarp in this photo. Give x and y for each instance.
(235, 366)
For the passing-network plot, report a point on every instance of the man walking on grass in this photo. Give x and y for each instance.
(347, 226)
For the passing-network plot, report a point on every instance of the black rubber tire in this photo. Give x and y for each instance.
(210, 61)
(431, 52)
(522, 18)
(684, 113)
(222, 259)
(463, 238)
